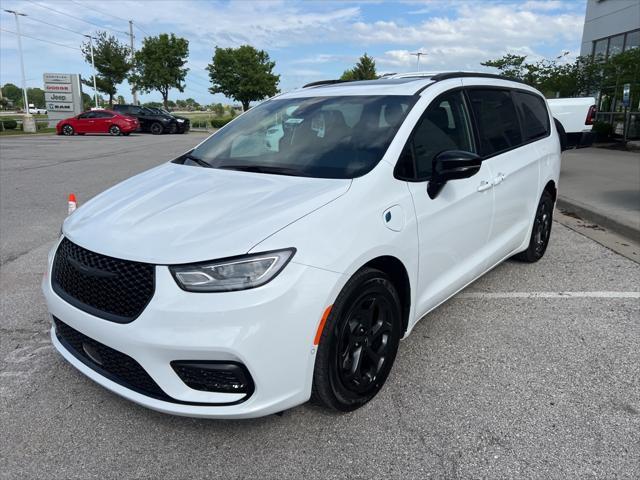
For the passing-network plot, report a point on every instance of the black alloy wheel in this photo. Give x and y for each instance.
(359, 342)
(68, 130)
(541, 231)
(114, 130)
(156, 128)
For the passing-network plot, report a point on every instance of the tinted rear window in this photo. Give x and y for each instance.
(533, 112)
(497, 120)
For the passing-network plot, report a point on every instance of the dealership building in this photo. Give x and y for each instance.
(612, 27)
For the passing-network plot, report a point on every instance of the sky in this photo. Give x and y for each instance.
(308, 40)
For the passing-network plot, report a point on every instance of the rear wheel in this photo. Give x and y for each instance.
(114, 130)
(156, 128)
(67, 130)
(359, 342)
(541, 231)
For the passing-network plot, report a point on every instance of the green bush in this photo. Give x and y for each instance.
(220, 122)
(9, 124)
(42, 125)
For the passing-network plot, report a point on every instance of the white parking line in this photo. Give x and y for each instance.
(489, 295)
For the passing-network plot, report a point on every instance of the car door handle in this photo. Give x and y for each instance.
(484, 185)
(499, 179)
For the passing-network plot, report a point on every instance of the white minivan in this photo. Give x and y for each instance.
(257, 271)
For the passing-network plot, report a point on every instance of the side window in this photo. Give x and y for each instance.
(135, 110)
(84, 115)
(497, 120)
(444, 126)
(102, 115)
(534, 115)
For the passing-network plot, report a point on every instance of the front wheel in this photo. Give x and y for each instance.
(68, 130)
(541, 231)
(359, 342)
(114, 130)
(156, 128)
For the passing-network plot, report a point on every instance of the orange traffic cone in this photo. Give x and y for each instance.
(72, 203)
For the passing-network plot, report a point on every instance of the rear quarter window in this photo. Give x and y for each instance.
(534, 115)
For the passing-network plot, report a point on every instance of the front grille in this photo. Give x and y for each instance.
(110, 363)
(107, 287)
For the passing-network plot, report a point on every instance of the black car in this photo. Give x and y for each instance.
(155, 120)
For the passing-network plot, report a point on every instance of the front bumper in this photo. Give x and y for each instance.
(269, 329)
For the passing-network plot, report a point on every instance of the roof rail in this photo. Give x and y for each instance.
(323, 82)
(444, 76)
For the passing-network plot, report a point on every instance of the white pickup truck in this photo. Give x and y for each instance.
(574, 120)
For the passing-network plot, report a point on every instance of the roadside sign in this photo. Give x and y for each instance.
(62, 95)
(58, 97)
(626, 93)
(57, 78)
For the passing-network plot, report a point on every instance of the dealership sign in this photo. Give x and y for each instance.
(62, 95)
(58, 97)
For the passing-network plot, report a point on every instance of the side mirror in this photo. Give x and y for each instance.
(452, 165)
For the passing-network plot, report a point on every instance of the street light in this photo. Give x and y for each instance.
(28, 124)
(418, 54)
(93, 65)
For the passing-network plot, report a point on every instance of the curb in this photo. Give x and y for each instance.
(589, 214)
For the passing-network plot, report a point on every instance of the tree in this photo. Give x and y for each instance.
(36, 96)
(159, 65)
(152, 104)
(244, 74)
(112, 63)
(87, 101)
(365, 69)
(218, 109)
(13, 93)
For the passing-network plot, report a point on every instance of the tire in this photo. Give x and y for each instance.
(540, 232)
(354, 358)
(114, 130)
(126, 134)
(156, 128)
(67, 130)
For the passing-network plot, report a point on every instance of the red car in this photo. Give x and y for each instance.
(98, 121)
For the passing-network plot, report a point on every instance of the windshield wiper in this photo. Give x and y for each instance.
(199, 161)
(264, 169)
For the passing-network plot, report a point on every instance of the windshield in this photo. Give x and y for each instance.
(329, 137)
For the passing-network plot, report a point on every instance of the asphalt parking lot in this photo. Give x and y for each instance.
(502, 381)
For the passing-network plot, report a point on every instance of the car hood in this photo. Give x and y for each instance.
(180, 214)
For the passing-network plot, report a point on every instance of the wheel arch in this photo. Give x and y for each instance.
(551, 188)
(399, 276)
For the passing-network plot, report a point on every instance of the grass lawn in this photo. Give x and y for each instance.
(42, 131)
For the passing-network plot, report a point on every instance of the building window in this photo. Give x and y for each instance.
(600, 48)
(633, 40)
(616, 44)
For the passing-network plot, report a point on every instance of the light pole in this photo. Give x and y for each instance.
(93, 65)
(28, 124)
(133, 88)
(418, 54)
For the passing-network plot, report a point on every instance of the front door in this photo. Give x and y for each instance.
(453, 227)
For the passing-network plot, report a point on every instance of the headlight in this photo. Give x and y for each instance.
(237, 273)
(180, 120)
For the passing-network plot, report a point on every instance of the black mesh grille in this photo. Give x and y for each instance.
(112, 364)
(110, 288)
(224, 377)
